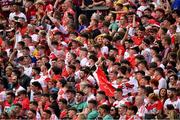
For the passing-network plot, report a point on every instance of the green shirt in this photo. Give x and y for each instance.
(113, 26)
(80, 106)
(108, 117)
(92, 115)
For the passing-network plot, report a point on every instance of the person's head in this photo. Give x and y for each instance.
(71, 56)
(104, 110)
(152, 67)
(171, 93)
(92, 104)
(35, 71)
(36, 86)
(46, 114)
(140, 31)
(132, 110)
(100, 96)
(62, 104)
(159, 13)
(31, 114)
(147, 12)
(122, 109)
(18, 108)
(22, 94)
(118, 93)
(173, 79)
(61, 83)
(163, 93)
(82, 19)
(16, 7)
(87, 89)
(92, 60)
(15, 76)
(154, 83)
(139, 75)
(141, 91)
(71, 69)
(81, 116)
(83, 52)
(79, 97)
(33, 105)
(70, 94)
(139, 100)
(154, 50)
(56, 70)
(113, 111)
(9, 70)
(166, 40)
(44, 98)
(72, 112)
(159, 72)
(145, 81)
(153, 98)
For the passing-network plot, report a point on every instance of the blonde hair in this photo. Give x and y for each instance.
(153, 96)
(81, 116)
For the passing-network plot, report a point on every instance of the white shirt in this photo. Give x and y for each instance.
(40, 80)
(28, 70)
(12, 15)
(162, 83)
(104, 50)
(140, 10)
(176, 103)
(91, 97)
(84, 62)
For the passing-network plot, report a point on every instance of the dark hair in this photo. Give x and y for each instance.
(167, 38)
(93, 102)
(119, 90)
(47, 65)
(37, 84)
(133, 108)
(105, 107)
(53, 96)
(11, 94)
(148, 90)
(22, 92)
(123, 69)
(18, 104)
(33, 111)
(34, 103)
(93, 57)
(160, 71)
(56, 70)
(83, 18)
(48, 112)
(22, 43)
(101, 93)
(37, 69)
(64, 101)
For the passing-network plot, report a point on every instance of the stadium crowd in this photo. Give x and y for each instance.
(69, 60)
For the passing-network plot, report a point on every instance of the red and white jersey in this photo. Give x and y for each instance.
(41, 80)
(61, 94)
(133, 117)
(141, 111)
(176, 104)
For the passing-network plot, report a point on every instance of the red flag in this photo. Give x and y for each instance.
(103, 83)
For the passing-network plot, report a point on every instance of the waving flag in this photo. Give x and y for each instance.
(103, 83)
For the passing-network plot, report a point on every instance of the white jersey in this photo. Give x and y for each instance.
(176, 104)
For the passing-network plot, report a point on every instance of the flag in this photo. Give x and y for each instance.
(103, 83)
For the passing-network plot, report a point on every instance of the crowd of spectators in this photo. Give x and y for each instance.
(68, 60)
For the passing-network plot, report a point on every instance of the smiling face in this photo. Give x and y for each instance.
(163, 92)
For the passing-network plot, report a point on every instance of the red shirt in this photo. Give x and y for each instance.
(137, 40)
